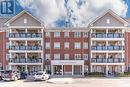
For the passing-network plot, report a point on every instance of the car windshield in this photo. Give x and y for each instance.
(6, 72)
(39, 73)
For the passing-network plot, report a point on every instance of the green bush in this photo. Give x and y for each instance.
(100, 74)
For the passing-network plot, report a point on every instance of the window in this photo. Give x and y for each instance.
(48, 67)
(47, 45)
(108, 21)
(66, 34)
(77, 34)
(56, 56)
(66, 45)
(7, 56)
(7, 45)
(85, 56)
(57, 45)
(77, 56)
(77, 45)
(85, 45)
(66, 56)
(48, 34)
(47, 56)
(25, 21)
(85, 34)
(56, 34)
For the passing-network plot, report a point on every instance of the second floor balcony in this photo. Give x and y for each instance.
(23, 47)
(25, 35)
(25, 60)
(107, 60)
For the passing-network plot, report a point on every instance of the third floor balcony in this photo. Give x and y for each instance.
(116, 47)
(23, 47)
(107, 35)
(25, 35)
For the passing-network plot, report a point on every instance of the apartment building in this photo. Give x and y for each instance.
(25, 35)
(107, 44)
(28, 46)
(67, 51)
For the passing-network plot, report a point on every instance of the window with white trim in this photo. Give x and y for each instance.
(85, 56)
(77, 45)
(57, 45)
(77, 56)
(47, 45)
(7, 45)
(85, 45)
(66, 56)
(66, 34)
(66, 45)
(56, 34)
(47, 56)
(108, 21)
(47, 34)
(85, 34)
(56, 56)
(77, 34)
(25, 21)
(7, 56)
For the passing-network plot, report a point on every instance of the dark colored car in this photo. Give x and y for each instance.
(1, 72)
(23, 75)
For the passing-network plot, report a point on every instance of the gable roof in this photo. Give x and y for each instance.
(113, 14)
(21, 13)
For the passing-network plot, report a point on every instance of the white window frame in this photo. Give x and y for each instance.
(56, 45)
(77, 57)
(77, 45)
(66, 34)
(56, 56)
(47, 45)
(77, 34)
(66, 56)
(56, 34)
(47, 56)
(25, 20)
(47, 34)
(85, 45)
(85, 34)
(85, 56)
(66, 45)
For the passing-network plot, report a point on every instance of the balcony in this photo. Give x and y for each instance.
(33, 47)
(107, 60)
(25, 35)
(25, 60)
(107, 35)
(107, 47)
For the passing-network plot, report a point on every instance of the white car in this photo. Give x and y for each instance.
(41, 75)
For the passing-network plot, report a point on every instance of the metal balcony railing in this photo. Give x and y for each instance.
(25, 60)
(34, 47)
(107, 35)
(107, 60)
(107, 48)
(25, 35)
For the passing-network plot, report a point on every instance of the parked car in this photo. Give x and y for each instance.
(11, 75)
(41, 75)
(1, 72)
(23, 75)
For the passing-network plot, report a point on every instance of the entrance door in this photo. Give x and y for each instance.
(57, 69)
(77, 69)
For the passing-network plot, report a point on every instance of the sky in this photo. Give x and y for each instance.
(55, 13)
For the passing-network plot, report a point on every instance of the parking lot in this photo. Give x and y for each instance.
(69, 82)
